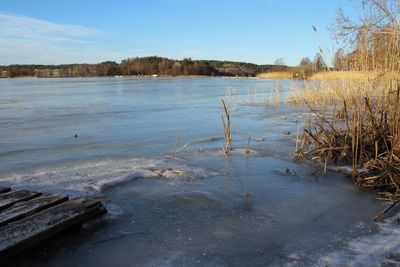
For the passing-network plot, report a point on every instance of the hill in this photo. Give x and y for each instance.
(139, 66)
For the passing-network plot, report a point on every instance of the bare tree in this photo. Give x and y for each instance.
(319, 62)
(306, 67)
(280, 62)
(339, 59)
(374, 36)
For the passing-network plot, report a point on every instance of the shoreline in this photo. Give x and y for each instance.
(151, 77)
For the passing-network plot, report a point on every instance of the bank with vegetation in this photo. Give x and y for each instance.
(142, 66)
(355, 110)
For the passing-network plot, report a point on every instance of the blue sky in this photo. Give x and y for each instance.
(78, 31)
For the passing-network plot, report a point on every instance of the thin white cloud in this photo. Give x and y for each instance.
(25, 40)
(36, 52)
(26, 27)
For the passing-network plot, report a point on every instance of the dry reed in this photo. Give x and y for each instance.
(363, 132)
(356, 112)
(248, 150)
(227, 129)
(275, 98)
(333, 87)
(275, 75)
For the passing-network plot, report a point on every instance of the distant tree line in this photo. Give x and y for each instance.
(139, 66)
(308, 67)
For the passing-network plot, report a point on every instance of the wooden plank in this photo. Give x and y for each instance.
(4, 190)
(30, 231)
(25, 208)
(8, 199)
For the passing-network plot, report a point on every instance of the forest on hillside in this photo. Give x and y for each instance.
(139, 66)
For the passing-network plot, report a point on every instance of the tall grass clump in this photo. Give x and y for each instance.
(356, 110)
(284, 75)
(275, 97)
(226, 123)
(364, 133)
(330, 88)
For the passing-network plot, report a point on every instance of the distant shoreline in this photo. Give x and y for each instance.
(149, 77)
(143, 66)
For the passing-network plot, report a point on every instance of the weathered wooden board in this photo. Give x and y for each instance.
(35, 228)
(25, 208)
(4, 189)
(9, 198)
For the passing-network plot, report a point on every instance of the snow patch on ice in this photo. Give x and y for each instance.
(96, 175)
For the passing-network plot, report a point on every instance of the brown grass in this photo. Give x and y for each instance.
(363, 133)
(357, 113)
(330, 88)
(275, 75)
(357, 122)
(343, 76)
(226, 123)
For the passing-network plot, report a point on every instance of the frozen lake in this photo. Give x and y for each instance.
(254, 209)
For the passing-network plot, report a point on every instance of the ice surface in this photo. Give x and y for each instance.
(96, 175)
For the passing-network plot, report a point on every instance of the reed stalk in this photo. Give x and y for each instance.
(226, 123)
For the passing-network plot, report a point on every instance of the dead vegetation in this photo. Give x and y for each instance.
(226, 123)
(334, 87)
(365, 134)
(355, 116)
(248, 149)
(284, 75)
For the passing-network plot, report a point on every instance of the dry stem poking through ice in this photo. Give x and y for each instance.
(227, 130)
